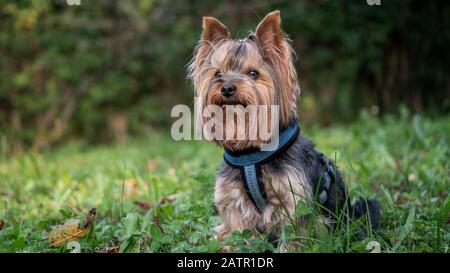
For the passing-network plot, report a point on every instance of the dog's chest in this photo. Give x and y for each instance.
(285, 184)
(283, 187)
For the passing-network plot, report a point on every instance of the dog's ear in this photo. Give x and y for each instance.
(278, 52)
(269, 33)
(213, 31)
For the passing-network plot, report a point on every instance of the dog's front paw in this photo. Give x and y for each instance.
(229, 249)
(222, 232)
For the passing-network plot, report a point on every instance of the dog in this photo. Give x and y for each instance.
(255, 189)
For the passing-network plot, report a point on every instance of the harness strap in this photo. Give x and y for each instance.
(250, 165)
(254, 187)
(328, 177)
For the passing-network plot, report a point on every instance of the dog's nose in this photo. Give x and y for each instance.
(228, 89)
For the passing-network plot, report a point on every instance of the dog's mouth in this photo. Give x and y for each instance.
(228, 102)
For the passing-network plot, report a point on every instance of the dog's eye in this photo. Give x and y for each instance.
(217, 74)
(252, 73)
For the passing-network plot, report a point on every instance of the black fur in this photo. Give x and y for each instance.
(371, 207)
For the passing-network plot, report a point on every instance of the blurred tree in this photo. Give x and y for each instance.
(107, 69)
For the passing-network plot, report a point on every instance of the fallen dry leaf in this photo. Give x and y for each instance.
(71, 230)
(89, 218)
(113, 247)
(168, 199)
(143, 205)
(146, 205)
(155, 221)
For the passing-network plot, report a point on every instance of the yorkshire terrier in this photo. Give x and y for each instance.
(255, 189)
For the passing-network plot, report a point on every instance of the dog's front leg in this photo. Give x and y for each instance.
(233, 219)
(236, 211)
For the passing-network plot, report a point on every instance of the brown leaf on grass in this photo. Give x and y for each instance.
(146, 205)
(155, 221)
(168, 199)
(143, 205)
(113, 247)
(2, 224)
(71, 230)
(89, 218)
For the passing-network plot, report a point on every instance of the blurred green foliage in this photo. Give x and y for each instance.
(107, 69)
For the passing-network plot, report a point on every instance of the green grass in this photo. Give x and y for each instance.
(403, 162)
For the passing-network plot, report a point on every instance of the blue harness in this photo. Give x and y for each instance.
(249, 163)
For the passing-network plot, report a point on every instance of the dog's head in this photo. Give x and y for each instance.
(255, 71)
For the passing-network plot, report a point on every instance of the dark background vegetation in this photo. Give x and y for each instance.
(109, 69)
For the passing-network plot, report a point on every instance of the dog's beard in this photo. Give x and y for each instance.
(243, 122)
